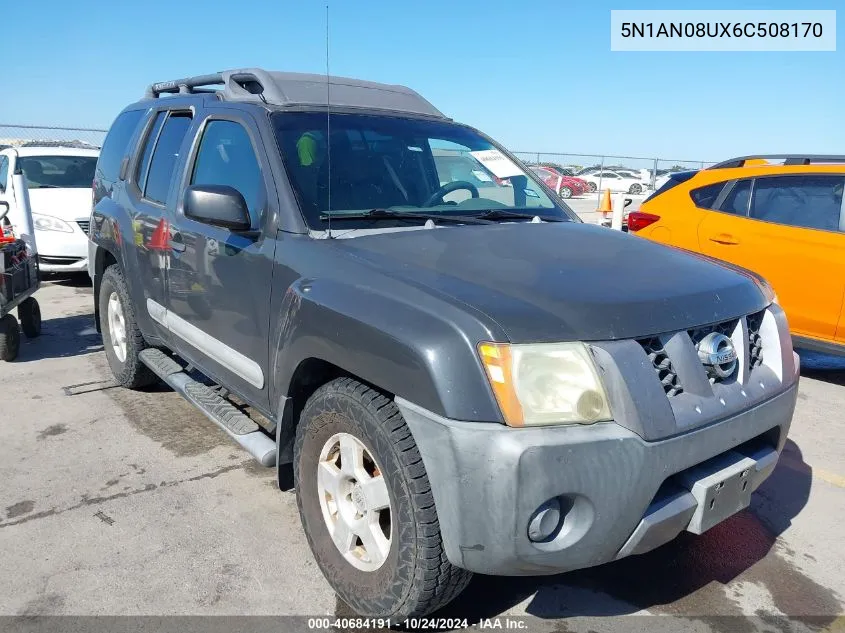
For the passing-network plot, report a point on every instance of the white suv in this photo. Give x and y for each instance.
(59, 181)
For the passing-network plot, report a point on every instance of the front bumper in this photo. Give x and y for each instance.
(62, 252)
(622, 494)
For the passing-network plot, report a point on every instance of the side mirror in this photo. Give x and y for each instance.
(218, 205)
(4, 209)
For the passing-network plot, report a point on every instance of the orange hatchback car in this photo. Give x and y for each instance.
(779, 216)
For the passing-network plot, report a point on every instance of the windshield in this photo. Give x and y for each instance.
(65, 172)
(401, 164)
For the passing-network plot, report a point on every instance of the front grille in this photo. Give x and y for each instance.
(85, 225)
(58, 261)
(662, 365)
(755, 341)
(727, 328)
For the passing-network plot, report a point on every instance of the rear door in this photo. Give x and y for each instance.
(150, 177)
(788, 229)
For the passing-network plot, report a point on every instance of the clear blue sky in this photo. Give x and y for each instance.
(536, 75)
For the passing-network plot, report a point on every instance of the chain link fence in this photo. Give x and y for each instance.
(22, 135)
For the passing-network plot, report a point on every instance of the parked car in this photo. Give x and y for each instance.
(460, 386)
(783, 220)
(563, 186)
(59, 186)
(575, 186)
(563, 171)
(615, 181)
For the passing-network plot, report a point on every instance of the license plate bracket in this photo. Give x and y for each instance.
(721, 486)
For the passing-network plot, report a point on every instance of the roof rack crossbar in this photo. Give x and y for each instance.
(789, 159)
(188, 85)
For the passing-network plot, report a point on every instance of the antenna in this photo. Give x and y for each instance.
(328, 126)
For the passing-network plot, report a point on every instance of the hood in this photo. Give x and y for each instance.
(65, 204)
(562, 281)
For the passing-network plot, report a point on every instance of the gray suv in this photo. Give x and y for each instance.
(464, 378)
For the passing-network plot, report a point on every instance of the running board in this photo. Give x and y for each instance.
(238, 426)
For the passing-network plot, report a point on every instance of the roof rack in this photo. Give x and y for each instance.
(298, 89)
(789, 159)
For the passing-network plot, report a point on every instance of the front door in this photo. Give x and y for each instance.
(219, 281)
(787, 229)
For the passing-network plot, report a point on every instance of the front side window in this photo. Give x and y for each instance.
(811, 201)
(58, 172)
(226, 157)
(403, 165)
(165, 155)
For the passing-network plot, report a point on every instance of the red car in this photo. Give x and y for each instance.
(562, 185)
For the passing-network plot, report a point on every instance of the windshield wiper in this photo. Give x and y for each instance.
(504, 214)
(390, 214)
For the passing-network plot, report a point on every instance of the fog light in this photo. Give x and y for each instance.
(545, 521)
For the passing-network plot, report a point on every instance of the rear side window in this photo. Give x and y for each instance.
(149, 143)
(115, 145)
(811, 201)
(736, 202)
(165, 155)
(705, 197)
(226, 157)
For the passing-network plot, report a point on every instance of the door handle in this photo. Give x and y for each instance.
(724, 238)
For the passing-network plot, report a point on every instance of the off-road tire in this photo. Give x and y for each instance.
(131, 373)
(10, 338)
(417, 578)
(29, 313)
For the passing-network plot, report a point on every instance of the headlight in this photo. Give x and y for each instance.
(49, 223)
(546, 383)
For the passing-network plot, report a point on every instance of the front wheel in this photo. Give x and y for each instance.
(366, 505)
(636, 188)
(122, 340)
(565, 192)
(592, 186)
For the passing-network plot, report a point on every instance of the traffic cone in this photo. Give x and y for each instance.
(606, 205)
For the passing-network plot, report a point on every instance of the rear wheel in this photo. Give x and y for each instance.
(636, 188)
(122, 340)
(366, 505)
(10, 338)
(592, 186)
(29, 312)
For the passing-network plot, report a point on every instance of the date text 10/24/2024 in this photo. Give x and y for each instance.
(416, 624)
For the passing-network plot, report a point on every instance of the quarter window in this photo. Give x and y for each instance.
(812, 201)
(115, 145)
(226, 157)
(165, 155)
(736, 201)
(705, 197)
